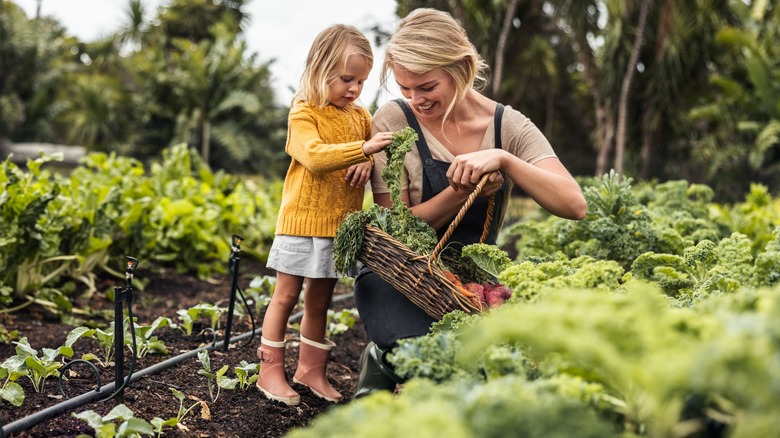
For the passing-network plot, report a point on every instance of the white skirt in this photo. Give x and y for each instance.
(310, 257)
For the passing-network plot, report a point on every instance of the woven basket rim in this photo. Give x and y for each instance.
(424, 283)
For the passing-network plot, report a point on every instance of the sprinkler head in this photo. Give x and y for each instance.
(132, 263)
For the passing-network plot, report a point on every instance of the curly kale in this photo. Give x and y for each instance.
(397, 221)
(402, 143)
(490, 258)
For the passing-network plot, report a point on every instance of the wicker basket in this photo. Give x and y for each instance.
(418, 277)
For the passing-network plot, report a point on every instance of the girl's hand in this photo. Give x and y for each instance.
(467, 169)
(377, 143)
(359, 174)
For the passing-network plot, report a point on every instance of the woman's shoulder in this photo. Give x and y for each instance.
(522, 136)
(390, 115)
(515, 120)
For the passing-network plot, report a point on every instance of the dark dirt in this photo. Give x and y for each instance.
(236, 413)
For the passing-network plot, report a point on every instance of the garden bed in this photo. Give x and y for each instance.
(235, 413)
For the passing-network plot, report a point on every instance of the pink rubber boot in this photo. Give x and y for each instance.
(312, 363)
(272, 381)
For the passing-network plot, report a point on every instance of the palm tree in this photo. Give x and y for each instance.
(739, 124)
(506, 27)
(94, 111)
(681, 46)
(212, 81)
(620, 135)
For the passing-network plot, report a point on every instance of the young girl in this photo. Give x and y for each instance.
(329, 140)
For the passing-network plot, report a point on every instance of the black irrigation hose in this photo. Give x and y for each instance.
(30, 421)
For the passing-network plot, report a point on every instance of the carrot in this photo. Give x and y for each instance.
(458, 285)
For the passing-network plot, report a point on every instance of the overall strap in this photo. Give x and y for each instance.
(422, 145)
(497, 124)
(498, 197)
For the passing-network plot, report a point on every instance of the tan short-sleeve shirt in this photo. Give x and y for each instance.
(518, 134)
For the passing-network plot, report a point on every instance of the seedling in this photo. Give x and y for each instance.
(341, 321)
(159, 423)
(189, 316)
(260, 291)
(11, 391)
(40, 368)
(105, 427)
(246, 374)
(216, 380)
(147, 343)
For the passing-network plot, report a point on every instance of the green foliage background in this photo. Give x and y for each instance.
(703, 104)
(180, 214)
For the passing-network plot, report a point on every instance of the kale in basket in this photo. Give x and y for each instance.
(397, 221)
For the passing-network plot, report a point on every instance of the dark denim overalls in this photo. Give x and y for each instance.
(386, 313)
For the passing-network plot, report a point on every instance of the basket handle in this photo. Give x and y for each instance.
(461, 213)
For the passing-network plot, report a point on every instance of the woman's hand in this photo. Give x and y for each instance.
(358, 174)
(494, 182)
(467, 169)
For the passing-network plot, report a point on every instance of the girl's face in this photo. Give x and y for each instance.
(429, 93)
(347, 87)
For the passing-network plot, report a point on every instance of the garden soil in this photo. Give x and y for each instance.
(235, 413)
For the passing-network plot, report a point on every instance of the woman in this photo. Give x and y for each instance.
(463, 135)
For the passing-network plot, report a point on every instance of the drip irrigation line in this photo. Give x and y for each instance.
(30, 421)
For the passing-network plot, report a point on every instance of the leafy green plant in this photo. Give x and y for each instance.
(260, 291)
(701, 270)
(489, 258)
(105, 340)
(246, 373)
(146, 342)
(189, 316)
(398, 221)
(56, 228)
(339, 322)
(10, 371)
(181, 413)
(6, 335)
(216, 379)
(107, 427)
(38, 368)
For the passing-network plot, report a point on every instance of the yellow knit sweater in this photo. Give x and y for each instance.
(323, 143)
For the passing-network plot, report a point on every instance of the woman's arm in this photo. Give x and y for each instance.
(546, 181)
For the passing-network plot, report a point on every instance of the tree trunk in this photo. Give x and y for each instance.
(548, 123)
(605, 133)
(620, 135)
(605, 121)
(648, 148)
(653, 113)
(501, 46)
(206, 145)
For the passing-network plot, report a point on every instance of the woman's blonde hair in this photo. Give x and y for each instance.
(327, 59)
(428, 39)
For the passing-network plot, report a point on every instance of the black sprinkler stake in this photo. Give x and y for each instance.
(233, 267)
(121, 295)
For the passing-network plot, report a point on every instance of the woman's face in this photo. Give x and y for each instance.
(429, 93)
(347, 87)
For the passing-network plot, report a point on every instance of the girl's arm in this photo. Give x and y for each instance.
(305, 145)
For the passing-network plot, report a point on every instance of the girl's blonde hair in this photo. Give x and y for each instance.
(428, 39)
(327, 59)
